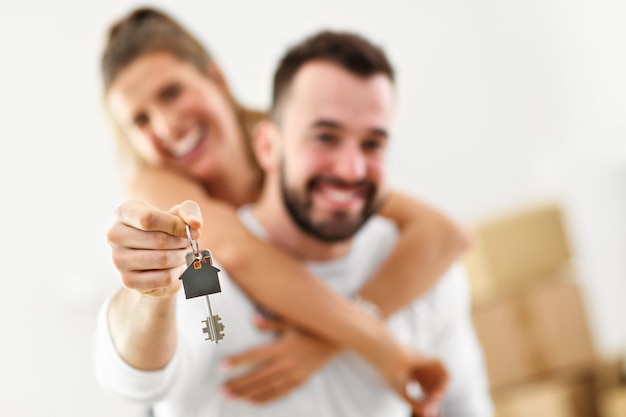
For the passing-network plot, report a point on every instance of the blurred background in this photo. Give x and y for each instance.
(511, 119)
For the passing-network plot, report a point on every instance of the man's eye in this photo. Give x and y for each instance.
(327, 138)
(372, 145)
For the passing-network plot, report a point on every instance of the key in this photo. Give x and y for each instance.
(197, 285)
(213, 326)
(201, 279)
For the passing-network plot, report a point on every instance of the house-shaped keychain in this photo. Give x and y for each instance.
(200, 278)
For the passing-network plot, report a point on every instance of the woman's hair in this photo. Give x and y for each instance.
(147, 30)
(144, 31)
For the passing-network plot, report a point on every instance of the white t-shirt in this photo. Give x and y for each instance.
(439, 323)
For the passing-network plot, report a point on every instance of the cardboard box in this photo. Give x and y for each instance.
(538, 331)
(608, 374)
(613, 403)
(548, 398)
(514, 250)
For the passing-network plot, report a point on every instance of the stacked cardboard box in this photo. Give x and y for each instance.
(553, 398)
(613, 402)
(513, 251)
(529, 314)
(610, 388)
(535, 332)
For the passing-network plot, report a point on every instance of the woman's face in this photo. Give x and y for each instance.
(174, 115)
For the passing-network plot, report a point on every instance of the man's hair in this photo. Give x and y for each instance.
(148, 30)
(348, 50)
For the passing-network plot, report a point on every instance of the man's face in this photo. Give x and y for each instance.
(333, 132)
(174, 115)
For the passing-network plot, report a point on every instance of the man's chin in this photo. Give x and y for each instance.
(334, 232)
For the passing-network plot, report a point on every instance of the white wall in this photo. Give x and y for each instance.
(500, 103)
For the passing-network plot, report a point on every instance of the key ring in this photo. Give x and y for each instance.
(193, 243)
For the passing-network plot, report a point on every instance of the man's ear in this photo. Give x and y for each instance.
(265, 143)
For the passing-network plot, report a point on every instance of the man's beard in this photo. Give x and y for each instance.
(342, 226)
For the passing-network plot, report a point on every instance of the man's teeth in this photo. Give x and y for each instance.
(186, 144)
(340, 196)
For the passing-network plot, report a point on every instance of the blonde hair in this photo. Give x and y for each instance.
(148, 30)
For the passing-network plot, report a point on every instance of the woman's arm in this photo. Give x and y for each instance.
(429, 243)
(289, 290)
(285, 286)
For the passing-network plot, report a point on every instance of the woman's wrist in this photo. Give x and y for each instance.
(368, 306)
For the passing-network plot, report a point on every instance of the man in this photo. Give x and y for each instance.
(323, 157)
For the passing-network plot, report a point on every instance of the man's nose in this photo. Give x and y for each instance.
(350, 164)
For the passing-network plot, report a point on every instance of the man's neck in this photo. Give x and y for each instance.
(270, 211)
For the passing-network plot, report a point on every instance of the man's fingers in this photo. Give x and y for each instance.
(153, 282)
(189, 212)
(147, 260)
(147, 218)
(121, 235)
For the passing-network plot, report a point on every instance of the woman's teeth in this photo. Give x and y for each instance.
(186, 144)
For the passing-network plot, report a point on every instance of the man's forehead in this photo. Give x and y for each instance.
(322, 90)
(324, 73)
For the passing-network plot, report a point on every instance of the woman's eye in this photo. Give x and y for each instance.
(170, 92)
(140, 120)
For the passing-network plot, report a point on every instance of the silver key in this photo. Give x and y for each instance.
(213, 328)
(201, 279)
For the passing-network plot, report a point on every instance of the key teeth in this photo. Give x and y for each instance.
(206, 329)
(219, 328)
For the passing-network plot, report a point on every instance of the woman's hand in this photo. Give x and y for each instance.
(421, 382)
(279, 367)
(149, 245)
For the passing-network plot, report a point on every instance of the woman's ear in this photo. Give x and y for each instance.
(265, 143)
(215, 73)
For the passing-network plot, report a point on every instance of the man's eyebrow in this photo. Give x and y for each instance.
(326, 123)
(377, 131)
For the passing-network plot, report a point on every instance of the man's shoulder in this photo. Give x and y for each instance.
(377, 234)
(378, 226)
(246, 216)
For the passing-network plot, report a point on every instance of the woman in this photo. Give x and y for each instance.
(188, 139)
